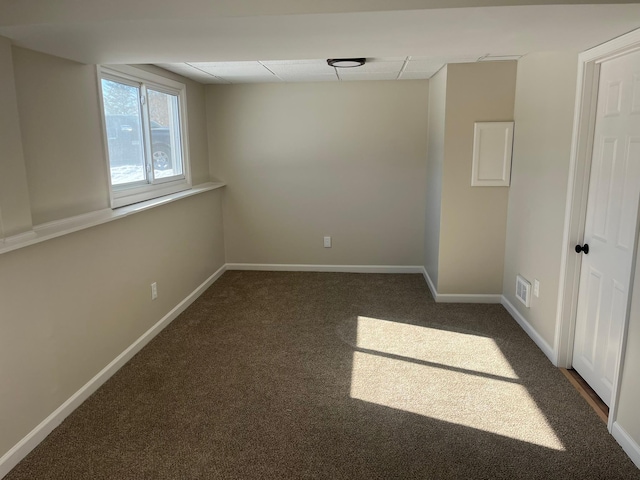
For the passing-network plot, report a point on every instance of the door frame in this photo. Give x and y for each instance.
(576, 205)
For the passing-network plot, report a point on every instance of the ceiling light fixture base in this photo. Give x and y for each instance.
(346, 62)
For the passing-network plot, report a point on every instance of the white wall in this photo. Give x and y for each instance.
(545, 98)
(306, 160)
(70, 305)
(435, 161)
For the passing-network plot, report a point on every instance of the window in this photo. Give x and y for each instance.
(145, 134)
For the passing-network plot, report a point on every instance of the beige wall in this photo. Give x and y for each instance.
(435, 161)
(70, 305)
(62, 135)
(306, 160)
(15, 211)
(545, 99)
(472, 229)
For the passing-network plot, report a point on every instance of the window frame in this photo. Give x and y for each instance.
(151, 187)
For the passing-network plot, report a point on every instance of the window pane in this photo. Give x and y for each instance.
(165, 134)
(124, 132)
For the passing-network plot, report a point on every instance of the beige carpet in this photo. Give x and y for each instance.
(333, 376)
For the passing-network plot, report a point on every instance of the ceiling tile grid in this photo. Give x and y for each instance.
(368, 76)
(317, 70)
(298, 69)
(331, 77)
(233, 69)
(418, 75)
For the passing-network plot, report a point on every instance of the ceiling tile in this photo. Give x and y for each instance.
(423, 65)
(317, 70)
(368, 76)
(222, 64)
(213, 80)
(294, 62)
(310, 78)
(463, 59)
(386, 59)
(252, 78)
(301, 69)
(222, 69)
(466, 58)
(188, 71)
(416, 75)
(380, 66)
(174, 67)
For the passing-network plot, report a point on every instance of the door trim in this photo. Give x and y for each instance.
(576, 205)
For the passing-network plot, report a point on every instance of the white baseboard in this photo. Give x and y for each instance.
(39, 433)
(458, 297)
(628, 444)
(432, 287)
(287, 267)
(468, 298)
(528, 328)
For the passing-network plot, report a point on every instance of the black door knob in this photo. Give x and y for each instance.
(582, 248)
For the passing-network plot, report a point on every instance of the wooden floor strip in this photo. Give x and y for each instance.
(587, 393)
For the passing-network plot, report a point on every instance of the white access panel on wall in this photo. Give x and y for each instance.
(492, 146)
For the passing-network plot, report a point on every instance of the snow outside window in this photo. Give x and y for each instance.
(145, 134)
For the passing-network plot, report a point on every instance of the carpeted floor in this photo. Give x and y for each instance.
(280, 375)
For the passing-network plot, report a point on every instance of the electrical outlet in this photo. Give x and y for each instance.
(154, 291)
(536, 288)
(327, 242)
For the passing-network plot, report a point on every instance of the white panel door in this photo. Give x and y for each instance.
(610, 229)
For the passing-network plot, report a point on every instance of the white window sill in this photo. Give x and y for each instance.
(58, 228)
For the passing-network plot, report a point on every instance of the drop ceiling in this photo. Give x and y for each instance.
(226, 41)
(386, 68)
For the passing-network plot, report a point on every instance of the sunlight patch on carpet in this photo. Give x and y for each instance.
(448, 376)
(454, 349)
